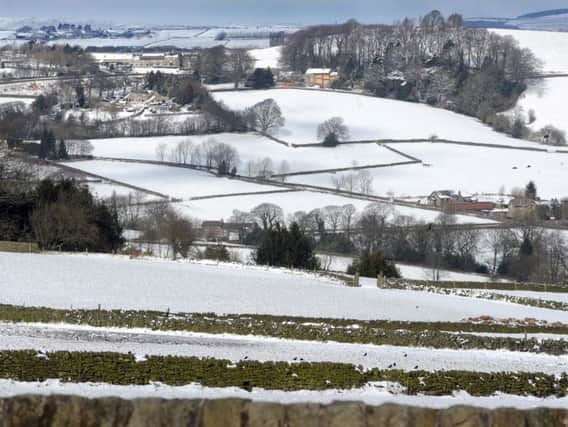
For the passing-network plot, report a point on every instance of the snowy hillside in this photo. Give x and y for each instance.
(469, 169)
(550, 47)
(366, 117)
(547, 98)
(120, 283)
(266, 58)
(252, 148)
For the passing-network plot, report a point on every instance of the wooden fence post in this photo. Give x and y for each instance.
(380, 280)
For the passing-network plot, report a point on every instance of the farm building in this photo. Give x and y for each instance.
(322, 77)
(522, 208)
(224, 231)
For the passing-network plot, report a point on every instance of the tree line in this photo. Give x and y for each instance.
(436, 60)
(524, 252)
(59, 215)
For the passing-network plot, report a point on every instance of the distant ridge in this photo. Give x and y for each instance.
(551, 12)
(545, 20)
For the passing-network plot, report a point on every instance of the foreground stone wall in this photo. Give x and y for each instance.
(72, 411)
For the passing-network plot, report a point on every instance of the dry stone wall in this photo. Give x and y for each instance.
(70, 411)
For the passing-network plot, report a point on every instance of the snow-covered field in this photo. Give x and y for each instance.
(105, 190)
(87, 281)
(547, 98)
(549, 46)
(266, 58)
(253, 148)
(366, 117)
(171, 181)
(469, 169)
(179, 38)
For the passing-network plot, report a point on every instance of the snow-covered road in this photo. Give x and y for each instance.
(140, 342)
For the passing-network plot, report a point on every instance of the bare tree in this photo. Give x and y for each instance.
(372, 223)
(268, 215)
(79, 148)
(284, 168)
(179, 233)
(348, 213)
(502, 242)
(240, 64)
(242, 219)
(265, 167)
(335, 127)
(332, 216)
(266, 116)
(364, 181)
(161, 152)
(225, 154)
(182, 152)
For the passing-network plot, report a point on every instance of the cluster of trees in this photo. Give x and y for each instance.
(265, 168)
(210, 154)
(163, 224)
(44, 103)
(18, 123)
(261, 78)
(517, 126)
(50, 149)
(56, 59)
(221, 65)
(360, 181)
(59, 215)
(437, 60)
(183, 89)
(529, 253)
(286, 247)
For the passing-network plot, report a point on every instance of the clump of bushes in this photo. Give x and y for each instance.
(371, 264)
(218, 253)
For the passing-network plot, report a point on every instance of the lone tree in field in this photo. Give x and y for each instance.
(332, 131)
(266, 116)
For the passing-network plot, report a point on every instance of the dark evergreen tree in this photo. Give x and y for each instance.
(286, 248)
(222, 168)
(51, 144)
(530, 190)
(62, 151)
(524, 265)
(80, 93)
(43, 148)
(262, 78)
